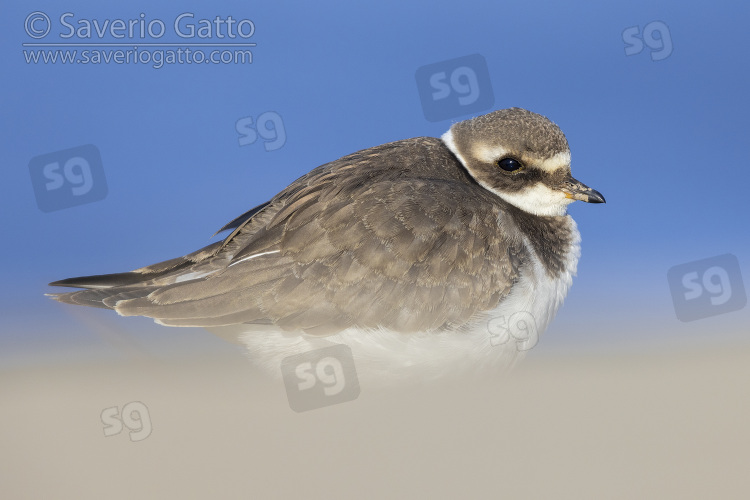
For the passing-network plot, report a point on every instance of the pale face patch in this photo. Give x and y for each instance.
(538, 199)
(560, 160)
(490, 154)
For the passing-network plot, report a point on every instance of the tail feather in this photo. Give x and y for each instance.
(106, 290)
(91, 298)
(122, 291)
(132, 293)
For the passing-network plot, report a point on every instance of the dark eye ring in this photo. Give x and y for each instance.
(509, 164)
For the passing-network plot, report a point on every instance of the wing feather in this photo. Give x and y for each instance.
(342, 246)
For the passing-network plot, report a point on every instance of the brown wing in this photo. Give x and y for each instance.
(346, 246)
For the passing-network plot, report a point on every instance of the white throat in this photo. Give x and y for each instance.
(537, 199)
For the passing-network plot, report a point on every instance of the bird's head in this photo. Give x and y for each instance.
(522, 157)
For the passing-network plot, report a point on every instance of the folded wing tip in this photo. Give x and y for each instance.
(59, 283)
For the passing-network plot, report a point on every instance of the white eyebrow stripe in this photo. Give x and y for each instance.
(253, 256)
(490, 154)
(560, 160)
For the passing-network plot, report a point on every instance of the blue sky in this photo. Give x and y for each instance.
(661, 133)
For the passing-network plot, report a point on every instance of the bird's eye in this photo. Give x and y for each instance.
(509, 164)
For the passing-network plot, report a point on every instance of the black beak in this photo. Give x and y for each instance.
(577, 190)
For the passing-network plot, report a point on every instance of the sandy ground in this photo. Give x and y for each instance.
(660, 424)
